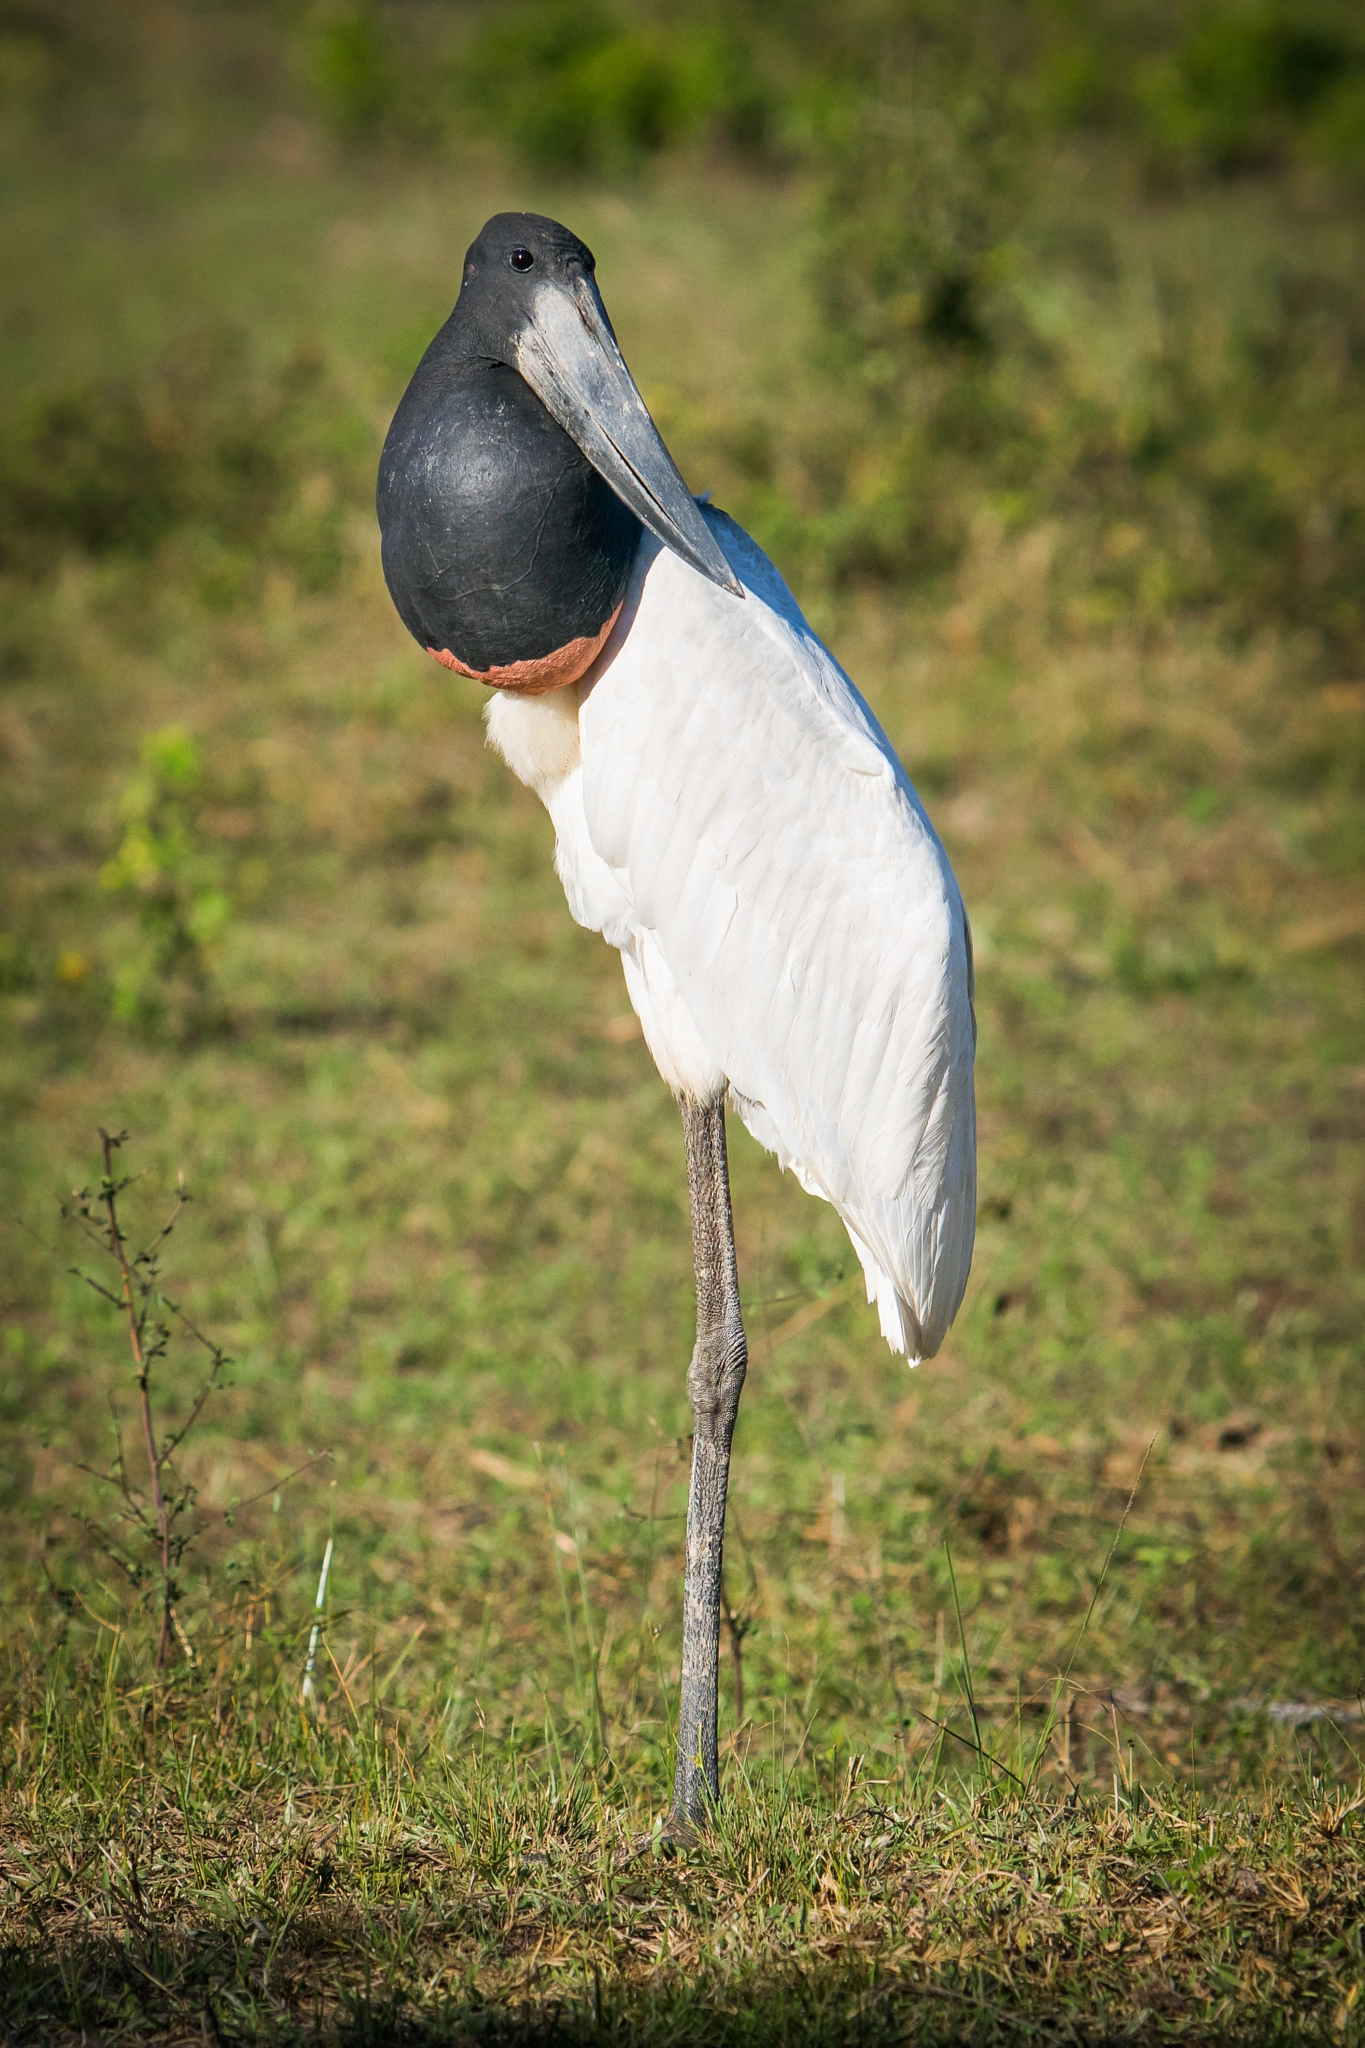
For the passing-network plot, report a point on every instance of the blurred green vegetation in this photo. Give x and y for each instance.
(1030, 341)
(163, 865)
(243, 471)
(573, 87)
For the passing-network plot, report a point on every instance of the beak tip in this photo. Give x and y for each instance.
(716, 568)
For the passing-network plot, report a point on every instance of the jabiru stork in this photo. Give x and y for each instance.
(728, 814)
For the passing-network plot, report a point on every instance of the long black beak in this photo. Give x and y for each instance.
(568, 355)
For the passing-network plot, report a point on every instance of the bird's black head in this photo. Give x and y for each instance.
(514, 256)
(517, 466)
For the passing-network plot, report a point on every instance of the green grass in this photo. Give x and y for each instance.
(439, 1215)
(374, 1884)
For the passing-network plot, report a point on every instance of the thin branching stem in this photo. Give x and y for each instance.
(135, 1317)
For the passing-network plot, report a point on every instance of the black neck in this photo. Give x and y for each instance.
(502, 543)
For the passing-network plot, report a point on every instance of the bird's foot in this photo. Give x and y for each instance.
(672, 1835)
(680, 1831)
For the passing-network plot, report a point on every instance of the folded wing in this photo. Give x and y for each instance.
(770, 852)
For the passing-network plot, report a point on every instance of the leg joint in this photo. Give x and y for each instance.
(715, 1379)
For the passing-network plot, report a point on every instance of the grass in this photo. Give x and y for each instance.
(367, 1886)
(439, 1214)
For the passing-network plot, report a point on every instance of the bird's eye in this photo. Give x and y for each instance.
(521, 259)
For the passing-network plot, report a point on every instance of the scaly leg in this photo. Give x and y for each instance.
(714, 1380)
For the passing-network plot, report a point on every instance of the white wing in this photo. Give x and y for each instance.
(741, 828)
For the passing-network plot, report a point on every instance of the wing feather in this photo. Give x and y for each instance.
(772, 848)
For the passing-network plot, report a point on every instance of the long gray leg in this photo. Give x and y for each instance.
(714, 1380)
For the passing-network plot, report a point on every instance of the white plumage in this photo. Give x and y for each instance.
(729, 814)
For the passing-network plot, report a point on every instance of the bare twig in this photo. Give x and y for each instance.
(275, 1484)
(136, 1319)
(178, 1436)
(160, 1514)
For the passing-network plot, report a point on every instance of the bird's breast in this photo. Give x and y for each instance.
(505, 553)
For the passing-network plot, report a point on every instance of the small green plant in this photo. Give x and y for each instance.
(164, 866)
(154, 1525)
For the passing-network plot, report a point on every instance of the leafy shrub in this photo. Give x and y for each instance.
(1244, 88)
(1224, 469)
(1233, 94)
(572, 87)
(919, 198)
